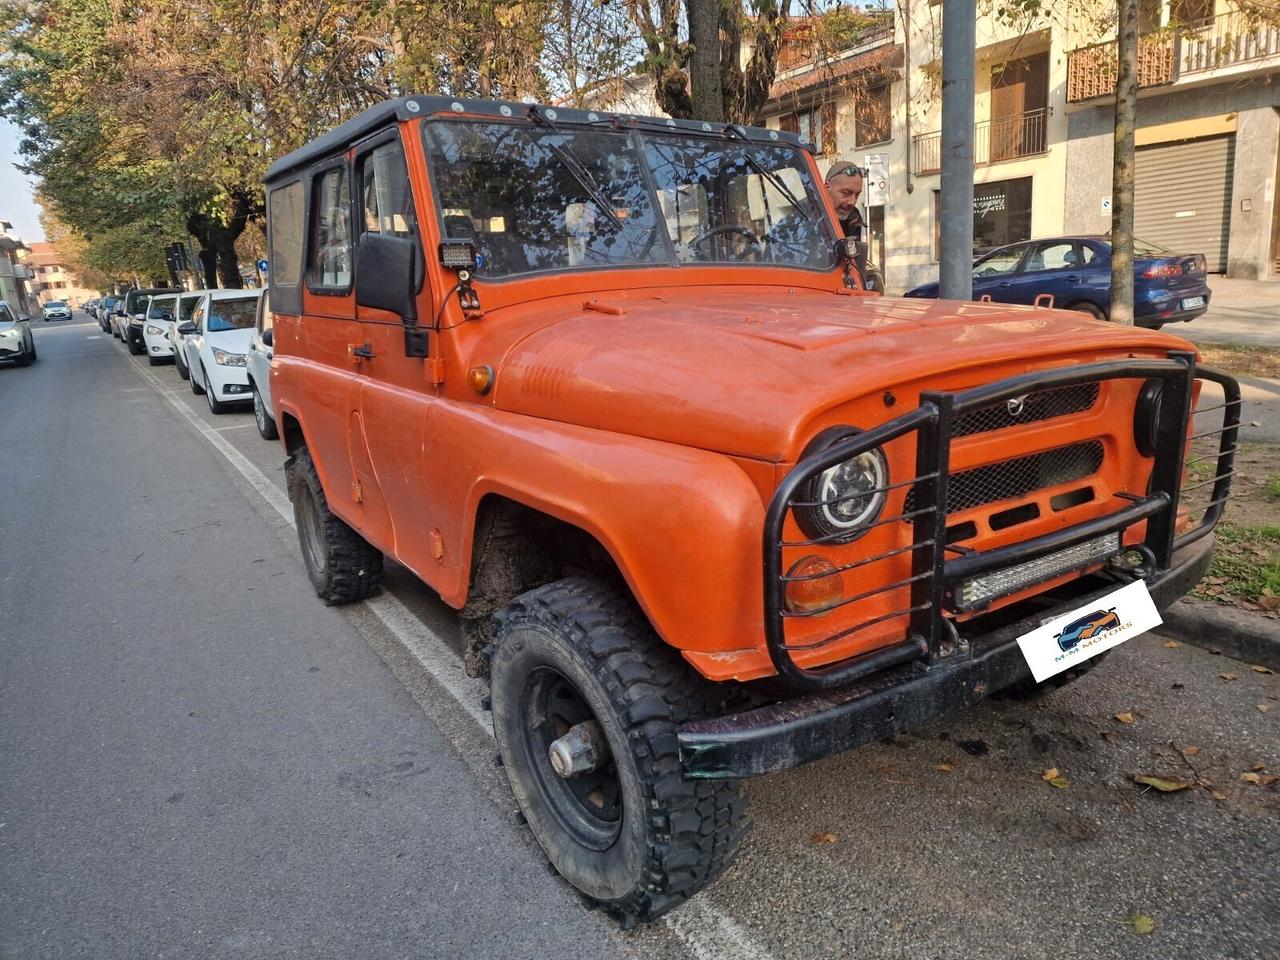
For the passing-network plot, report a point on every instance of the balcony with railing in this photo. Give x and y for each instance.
(1188, 50)
(995, 140)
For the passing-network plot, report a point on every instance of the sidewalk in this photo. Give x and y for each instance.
(1240, 311)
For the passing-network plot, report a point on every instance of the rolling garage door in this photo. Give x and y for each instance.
(1183, 197)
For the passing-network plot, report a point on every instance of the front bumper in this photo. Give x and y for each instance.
(228, 383)
(157, 345)
(787, 734)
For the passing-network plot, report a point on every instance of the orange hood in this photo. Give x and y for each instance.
(741, 371)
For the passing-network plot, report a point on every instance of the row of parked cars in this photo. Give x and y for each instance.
(219, 341)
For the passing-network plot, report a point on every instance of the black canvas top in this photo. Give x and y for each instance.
(406, 108)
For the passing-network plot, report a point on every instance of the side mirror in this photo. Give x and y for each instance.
(852, 252)
(268, 338)
(384, 274)
(187, 329)
(165, 317)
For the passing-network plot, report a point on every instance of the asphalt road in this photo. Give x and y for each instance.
(198, 759)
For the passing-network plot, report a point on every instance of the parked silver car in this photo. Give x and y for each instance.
(261, 348)
(16, 342)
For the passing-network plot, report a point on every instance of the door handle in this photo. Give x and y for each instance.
(1006, 283)
(362, 352)
(1073, 279)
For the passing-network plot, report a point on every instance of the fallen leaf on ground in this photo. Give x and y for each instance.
(1163, 784)
(1268, 604)
(1267, 779)
(1219, 796)
(944, 767)
(1172, 643)
(823, 837)
(1126, 717)
(1259, 766)
(1055, 779)
(1143, 924)
(1259, 669)
(1251, 777)
(1190, 751)
(1264, 707)
(1228, 676)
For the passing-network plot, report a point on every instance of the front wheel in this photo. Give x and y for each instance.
(216, 406)
(586, 701)
(1092, 309)
(342, 565)
(182, 367)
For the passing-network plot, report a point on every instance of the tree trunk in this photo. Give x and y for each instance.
(1122, 175)
(704, 68)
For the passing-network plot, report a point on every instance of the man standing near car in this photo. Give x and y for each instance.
(844, 186)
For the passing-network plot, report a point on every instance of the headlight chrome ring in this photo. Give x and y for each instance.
(844, 500)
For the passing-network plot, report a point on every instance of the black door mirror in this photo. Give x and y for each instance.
(187, 329)
(384, 274)
(268, 340)
(166, 317)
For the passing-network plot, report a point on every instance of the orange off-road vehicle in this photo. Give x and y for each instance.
(611, 386)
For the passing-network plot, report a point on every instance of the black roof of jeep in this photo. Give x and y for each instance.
(406, 108)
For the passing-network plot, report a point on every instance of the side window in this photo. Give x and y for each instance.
(1058, 255)
(1000, 262)
(330, 266)
(1087, 254)
(285, 213)
(197, 315)
(186, 308)
(5, 315)
(386, 202)
(265, 316)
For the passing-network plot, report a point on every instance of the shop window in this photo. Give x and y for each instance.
(1001, 213)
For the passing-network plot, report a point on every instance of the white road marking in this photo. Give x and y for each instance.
(234, 426)
(704, 930)
(94, 336)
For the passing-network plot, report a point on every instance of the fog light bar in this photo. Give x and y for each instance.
(981, 590)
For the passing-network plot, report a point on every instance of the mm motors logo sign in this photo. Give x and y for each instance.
(1087, 631)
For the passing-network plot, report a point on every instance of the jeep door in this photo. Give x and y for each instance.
(395, 393)
(331, 377)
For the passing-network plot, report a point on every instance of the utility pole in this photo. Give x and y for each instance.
(959, 19)
(1122, 167)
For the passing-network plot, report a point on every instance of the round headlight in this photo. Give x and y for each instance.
(843, 501)
(1146, 417)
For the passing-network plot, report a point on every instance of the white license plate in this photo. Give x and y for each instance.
(1190, 303)
(1074, 637)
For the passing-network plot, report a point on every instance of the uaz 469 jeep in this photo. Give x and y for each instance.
(611, 386)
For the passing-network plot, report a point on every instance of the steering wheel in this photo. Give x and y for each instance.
(728, 228)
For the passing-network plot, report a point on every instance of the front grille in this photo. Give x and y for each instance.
(1018, 477)
(1041, 405)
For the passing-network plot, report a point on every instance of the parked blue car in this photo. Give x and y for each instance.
(1167, 287)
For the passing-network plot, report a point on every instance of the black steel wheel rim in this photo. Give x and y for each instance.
(312, 537)
(259, 411)
(589, 805)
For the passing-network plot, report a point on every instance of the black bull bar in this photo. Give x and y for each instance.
(936, 670)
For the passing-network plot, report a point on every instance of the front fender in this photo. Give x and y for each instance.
(683, 525)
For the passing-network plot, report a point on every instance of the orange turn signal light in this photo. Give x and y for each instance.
(481, 378)
(813, 585)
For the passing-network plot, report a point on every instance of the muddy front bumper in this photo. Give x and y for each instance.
(793, 732)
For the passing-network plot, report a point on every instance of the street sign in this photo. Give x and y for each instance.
(877, 187)
(1106, 204)
(262, 267)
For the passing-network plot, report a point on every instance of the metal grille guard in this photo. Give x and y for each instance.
(933, 575)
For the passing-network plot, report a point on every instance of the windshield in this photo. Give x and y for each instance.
(137, 303)
(536, 198)
(161, 308)
(231, 314)
(54, 303)
(1145, 248)
(6, 317)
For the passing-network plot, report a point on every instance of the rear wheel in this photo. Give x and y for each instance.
(266, 423)
(586, 700)
(1092, 309)
(134, 349)
(342, 565)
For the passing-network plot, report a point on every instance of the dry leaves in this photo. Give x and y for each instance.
(1256, 668)
(1251, 777)
(1190, 751)
(1228, 676)
(944, 767)
(1264, 708)
(1142, 924)
(1171, 644)
(823, 837)
(1163, 784)
(1126, 717)
(1054, 778)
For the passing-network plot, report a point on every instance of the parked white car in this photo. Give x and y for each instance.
(261, 348)
(16, 341)
(155, 327)
(56, 310)
(216, 344)
(187, 303)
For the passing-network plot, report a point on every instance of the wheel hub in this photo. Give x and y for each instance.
(581, 750)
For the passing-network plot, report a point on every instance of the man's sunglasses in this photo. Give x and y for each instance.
(849, 171)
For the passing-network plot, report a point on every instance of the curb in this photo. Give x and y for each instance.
(1243, 636)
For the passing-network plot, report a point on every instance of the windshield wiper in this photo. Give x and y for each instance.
(768, 174)
(573, 165)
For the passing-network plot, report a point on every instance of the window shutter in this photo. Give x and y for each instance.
(827, 129)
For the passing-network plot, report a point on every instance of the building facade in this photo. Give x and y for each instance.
(16, 274)
(1208, 136)
(53, 280)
